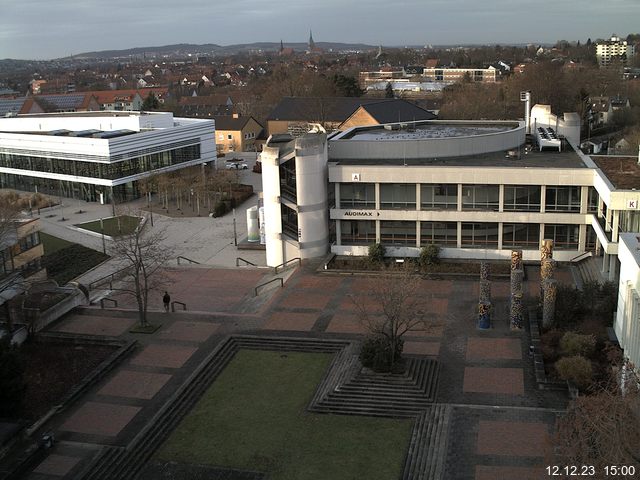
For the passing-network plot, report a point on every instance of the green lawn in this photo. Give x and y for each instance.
(52, 244)
(65, 260)
(114, 226)
(253, 418)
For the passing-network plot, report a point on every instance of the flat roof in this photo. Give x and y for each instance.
(622, 172)
(534, 159)
(426, 130)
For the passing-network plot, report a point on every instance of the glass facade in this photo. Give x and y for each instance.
(398, 233)
(565, 237)
(562, 199)
(439, 197)
(444, 234)
(398, 196)
(522, 198)
(357, 232)
(358, 195)
(105, 171)
(520, 235)
(289, 222)
(480, 197)
(288, 180)
(480, 235)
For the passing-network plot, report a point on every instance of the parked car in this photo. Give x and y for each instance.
(236, 164)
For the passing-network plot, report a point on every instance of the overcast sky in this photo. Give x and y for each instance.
(43, 29)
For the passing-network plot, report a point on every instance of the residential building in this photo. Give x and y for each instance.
(455, 75)
(119, 100)
(98, 156)
(294, 114)
(61, 102)
(235, 133)
(21, 255)
(614, 50)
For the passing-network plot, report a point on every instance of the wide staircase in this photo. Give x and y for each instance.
(588, 270)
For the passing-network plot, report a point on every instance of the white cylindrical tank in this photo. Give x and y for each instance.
(253, 227)
(272, 211)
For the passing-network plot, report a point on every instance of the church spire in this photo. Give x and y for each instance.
(312, 44)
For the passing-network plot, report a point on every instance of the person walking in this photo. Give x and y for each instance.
(166, 300)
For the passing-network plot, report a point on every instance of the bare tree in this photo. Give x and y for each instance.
(143, 254)
(403, 307)
(601, 429)
(9, 217)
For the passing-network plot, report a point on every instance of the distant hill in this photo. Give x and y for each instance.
(213, 49)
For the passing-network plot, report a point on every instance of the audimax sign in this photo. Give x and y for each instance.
(361, 213)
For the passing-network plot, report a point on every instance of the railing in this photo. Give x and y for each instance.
(187, 259)
(255, 290)
(102, 300)
(110, 278)
(246, 262)
(581, 257)
(173, 306)
(284, 265)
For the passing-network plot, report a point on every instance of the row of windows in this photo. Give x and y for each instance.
(445, 234)
(519, 198)
(107, 171)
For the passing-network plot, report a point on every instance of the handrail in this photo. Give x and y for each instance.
(173, 306)
(102, 300)
(111, 278)
(285, 264)
(255, 290)
(247, 262)
(187, 259)
(582, 256)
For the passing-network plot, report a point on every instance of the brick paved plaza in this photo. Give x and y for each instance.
(499, 423)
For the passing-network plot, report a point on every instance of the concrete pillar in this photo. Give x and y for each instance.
(607, 226)
(459, 239)
(500, 230)
(418, 239)
(338, 232)
(485, 291)
(613, 268)
(516, 260)
(418, 196)
(615, 226)
(605, 265)
(377, 191)
(485, 270)
(501, 198)
(459, 197)
(584, 200)
(516, 312)
(337, 195)
(517, 280)
(582, 238)
(546, 249)
(543, 198)
(377, 231)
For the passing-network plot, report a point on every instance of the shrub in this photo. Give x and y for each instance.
(376, 353)
(573, 343)
(12, 386)
(377, 251)
(219, 209)
(576, 369)
(429, 255)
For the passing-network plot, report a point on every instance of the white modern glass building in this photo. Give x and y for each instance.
(98, 156)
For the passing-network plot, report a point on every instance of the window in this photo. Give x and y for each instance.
(520, 235)
(357, 195)
(230, 137)
(289, 222)
(522, 198)
(480, 235)
(439, 197)
(358, 232)
(562, 199)
(398, 196)
(397, 233)
(565, 237)
(592, 200)
(480, 197)
(439, 233)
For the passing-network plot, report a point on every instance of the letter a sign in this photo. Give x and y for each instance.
(355, 177)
